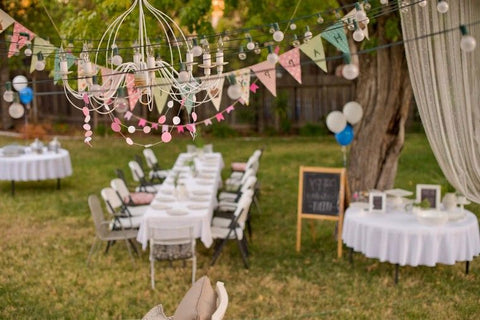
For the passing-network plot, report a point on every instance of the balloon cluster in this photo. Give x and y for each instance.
(341, 123)
(25, 94)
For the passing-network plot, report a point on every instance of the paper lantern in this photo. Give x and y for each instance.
(353, 112)
(336, 121)
(19, 82)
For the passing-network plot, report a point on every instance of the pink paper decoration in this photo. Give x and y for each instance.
(142, 122)
(191, 127)
(116, 120)
(166, 137)
(254, 87)
(208, 122)
(290, 60)
(129, 141)
(230, 109)
(18, 41)
(219, 117)
(116, 127)
(180, 129)
(155, 126)
(164, 128)
(85, 111)
(194, 116)
(128, 115)
(162, 119)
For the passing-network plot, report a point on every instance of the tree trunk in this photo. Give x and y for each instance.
(6, 121)
(385, 93)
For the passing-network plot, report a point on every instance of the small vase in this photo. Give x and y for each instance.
(449, 201)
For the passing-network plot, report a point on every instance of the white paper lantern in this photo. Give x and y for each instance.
(350, 71)
(234, 91)
(353, 112)
(336, 121)
(19, 82)
(16, 110)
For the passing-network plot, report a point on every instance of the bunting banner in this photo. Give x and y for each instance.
(351, 15)
(336, 35)
(265, 72)
(242, 77)
(43, 46)
(215, 94)
(20, 37)
(290, 60)
(5, 20)
(314, 50)
(133, 93)
(56, 69)
(189, 102)
(160, 89)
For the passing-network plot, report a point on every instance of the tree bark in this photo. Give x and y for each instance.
(385, 93)
(6, 121)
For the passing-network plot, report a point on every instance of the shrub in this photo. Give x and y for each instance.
(312, 130)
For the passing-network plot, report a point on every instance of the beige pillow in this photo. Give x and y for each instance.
(156, 313)
(199, 303)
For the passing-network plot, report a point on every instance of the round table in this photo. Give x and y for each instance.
(397, 237)
(32, 166)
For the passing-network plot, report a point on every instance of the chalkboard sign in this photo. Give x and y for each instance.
(431, 192)
(322, 196)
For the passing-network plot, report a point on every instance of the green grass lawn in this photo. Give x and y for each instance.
(46, 235)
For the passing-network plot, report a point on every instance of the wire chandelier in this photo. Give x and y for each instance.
(170, 73)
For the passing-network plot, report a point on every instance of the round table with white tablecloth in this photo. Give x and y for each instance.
(32, 166)
(397, 237)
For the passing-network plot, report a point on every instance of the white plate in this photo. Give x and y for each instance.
(455, 215)
(204, 182)
(164, 199)
(167, 191)
(200, 192)
(398, 192)
(432, 217)
(177, 212)
(161, 206)
(197, 206)
(206, 176)
(199, 199)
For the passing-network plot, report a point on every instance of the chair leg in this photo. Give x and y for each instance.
(249, 227)
(130, 251)
(194, 268)
(245, 245)
(109, 243)
(92, 250)
(243, 252)
(152, 273)
(257, 204)
(134, 247)
(218, 249)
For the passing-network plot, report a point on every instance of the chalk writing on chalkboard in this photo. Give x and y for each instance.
(321, 193)
(430, 195)
(377, 203)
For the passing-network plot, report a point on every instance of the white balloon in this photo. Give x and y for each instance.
(16, 110)
(336, 121)
(353, 112)
(19, 82)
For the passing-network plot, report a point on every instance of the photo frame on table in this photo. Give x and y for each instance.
(377, 202)
(431, 192)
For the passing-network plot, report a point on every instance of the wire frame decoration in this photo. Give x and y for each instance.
(165, 66)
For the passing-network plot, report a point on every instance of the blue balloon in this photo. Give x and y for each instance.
(345, 137)
(26, 95)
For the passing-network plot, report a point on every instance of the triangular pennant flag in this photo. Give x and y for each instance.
(352, 15)
(265, 72)
(189, 103)
(161, 89)
(20, 37)
(336, 35)
(56, 71)
(5, 20)
(43, 46)
(314, 50)
(215, 93)
(290, 60)
(242, 77)
(133, 93)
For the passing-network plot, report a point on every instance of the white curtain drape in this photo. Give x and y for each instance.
(445, 83)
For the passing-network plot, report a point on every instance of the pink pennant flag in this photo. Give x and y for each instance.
(191, 127)
(241, 101)
(208, 122)
(128, 115)
(142, 123)
(290, 60)
(229, 109)
(180, 129)
(20, 37)
(133, 93)
(164, 128)
(219, 117)
(254, 87)
(277, 49)
(265, 72)
(155, 125)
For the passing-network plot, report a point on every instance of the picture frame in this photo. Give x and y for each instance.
(377, 202)
(431, 192)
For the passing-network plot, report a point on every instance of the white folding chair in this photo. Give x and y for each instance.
(152, 162)
(122, 217)
(222, 301)
(139, 176)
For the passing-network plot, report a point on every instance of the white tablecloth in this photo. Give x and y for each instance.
(207, 181)
(397, 237)
(33, 166)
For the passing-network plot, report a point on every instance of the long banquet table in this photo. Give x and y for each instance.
(397, 237)
(172, 209)
(31, 166)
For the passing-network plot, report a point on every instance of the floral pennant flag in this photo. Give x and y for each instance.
(161, 89)
(242, 77)
(314, 50)
(216, 93)
(20, 37)
(133, 93)
(265, 72)
(5, 20)
(290, 60)
(40, 46)
(336, 35)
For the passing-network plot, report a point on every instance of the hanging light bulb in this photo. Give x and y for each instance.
(40, 64)
(272, 57)
(383, 2)
(467, 43)
(350, 25)
(234, 91)
(277, 34)
(28, 51)
(308, 34)
(241, 54)
(8, 95)
(121, 103)
(296, 43)
(423, 3)
(293, 26)
(442, 6)
(257, 49)
(116, 58)
(320, 19)
(360, 15)
(183, 75)
(358, 34)
(226, 37)
(366, 5)
(250, 43)
(196, 49)
(349, 71)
